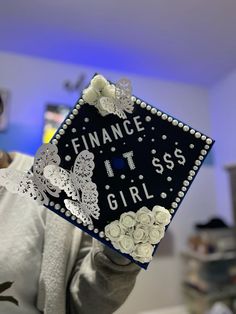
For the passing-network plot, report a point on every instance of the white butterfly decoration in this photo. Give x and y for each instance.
(108, 98)
(33, 184)
(78, 185)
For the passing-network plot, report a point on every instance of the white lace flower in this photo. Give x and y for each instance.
(114, 231)
(156, 233)
(161, 215)
(127, 220)
(140, 234)
(99, 82)
(144, 216)
(90, 95)
(109, 91)
(125, 244)
(143, 252)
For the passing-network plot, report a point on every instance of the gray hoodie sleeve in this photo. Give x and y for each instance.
(101, 281)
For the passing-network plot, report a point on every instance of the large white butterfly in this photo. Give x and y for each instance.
(77, 184)
(33, 184)
(122, 102)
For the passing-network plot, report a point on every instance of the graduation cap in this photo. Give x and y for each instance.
(118, 168)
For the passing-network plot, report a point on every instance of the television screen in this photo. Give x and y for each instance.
(53, 117)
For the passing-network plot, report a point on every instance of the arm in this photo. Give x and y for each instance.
(101, 280)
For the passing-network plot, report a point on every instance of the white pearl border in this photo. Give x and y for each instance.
(186, 128)
(163, 116)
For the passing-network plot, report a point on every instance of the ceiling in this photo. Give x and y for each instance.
(185, 40)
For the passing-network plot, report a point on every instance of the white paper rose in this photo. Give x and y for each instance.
(140, 234)
(125, 244)
(161, 215)
(90, 95)
(99, 82)
(109, 91)
(143, 252)
(144, 216)
(113, 231)
(156, 233)
(127, 220)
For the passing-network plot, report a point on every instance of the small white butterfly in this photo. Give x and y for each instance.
(78, 185)
(122, 102)
(33, 184)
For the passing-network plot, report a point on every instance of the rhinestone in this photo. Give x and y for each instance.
(190, 178)
(68, 121)
(58, 136)
(192, 131)
(197, 135)
(67, 158)
(203, 137)
(159, 113)
(195, 168)
(172, 211)
(164, 116)
(72, 116)
(192, 173)
(61, 132)
(133, 98)
(206, 146)
(180, 124)
(170, 119)
(153, 110)
(186, 128)
(184, 189)
(148, 118)
(57, 206)
(177, 199)
(175, 122)
(51, 203)
(54, 141)
(90, 227)
(138, 101)
(143, 104)
(203, 152)
(200, 158)
(78, 221)
(77, 106)
(95, 230)
(65, 126)
(163, 195)
(181, 194)
(197, 162)
(73, 217)
(81, 102)
(62, 210)
(149, 107)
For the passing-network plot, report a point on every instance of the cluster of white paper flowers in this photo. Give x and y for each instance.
(137, 233)
(99, 87)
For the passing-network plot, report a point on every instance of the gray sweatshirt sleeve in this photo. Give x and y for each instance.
(101, 281)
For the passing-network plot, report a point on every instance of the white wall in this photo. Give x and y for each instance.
(34, 82)
(223, 117)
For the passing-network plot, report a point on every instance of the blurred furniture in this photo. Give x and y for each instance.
(232, 174)
(210, 270)
(171, 310)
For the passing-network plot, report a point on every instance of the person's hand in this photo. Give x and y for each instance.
(114, 256)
